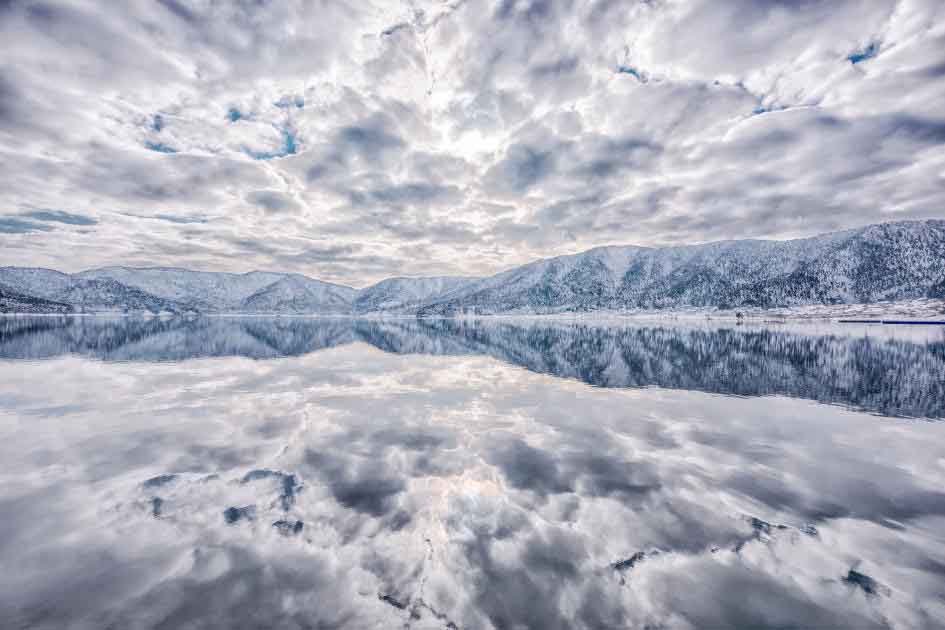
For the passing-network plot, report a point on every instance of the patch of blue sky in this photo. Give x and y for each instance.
(633, 72)
(12, 225)
(59, 216)
(766, 109)
(288, 101)
(173, 218)
(862, 55)
(289, 147)
(160, 147)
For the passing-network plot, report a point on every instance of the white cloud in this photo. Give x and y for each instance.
(386, 129)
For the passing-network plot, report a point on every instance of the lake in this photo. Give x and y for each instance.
(333, 473)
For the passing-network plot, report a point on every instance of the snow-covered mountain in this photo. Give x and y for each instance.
(201, 290)
(12, 301)
(155, 290)
(891, 261)
(299, 294)
(81, 292)
(405, 294)
(45, 284)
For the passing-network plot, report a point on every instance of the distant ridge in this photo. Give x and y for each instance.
(890, 261)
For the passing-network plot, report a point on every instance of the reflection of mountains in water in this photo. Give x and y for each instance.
(889, 376)
(172, 339)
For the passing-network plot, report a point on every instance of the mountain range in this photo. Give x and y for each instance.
(885, 262)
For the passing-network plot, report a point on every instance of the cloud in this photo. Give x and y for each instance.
(272, 200)
(587, 123)
(409, 193)
(522, 167)
(369, 139)
(172, 218)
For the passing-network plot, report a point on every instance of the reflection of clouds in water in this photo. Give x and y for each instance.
(459, 490)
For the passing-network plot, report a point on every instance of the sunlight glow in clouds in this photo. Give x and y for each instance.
(354, 141)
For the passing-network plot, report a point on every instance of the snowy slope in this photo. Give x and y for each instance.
(398, 294)
(301, 295)
(106, 295)
(895, 261)
(80, 292)
(12, 301)
(36, 282)
(123, 289)
(580, 281)
(204, 290)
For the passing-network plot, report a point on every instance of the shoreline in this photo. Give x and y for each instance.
(923, 311)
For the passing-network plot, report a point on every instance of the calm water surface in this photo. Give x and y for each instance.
(300, 473)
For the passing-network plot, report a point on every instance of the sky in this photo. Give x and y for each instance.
(353, 141)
